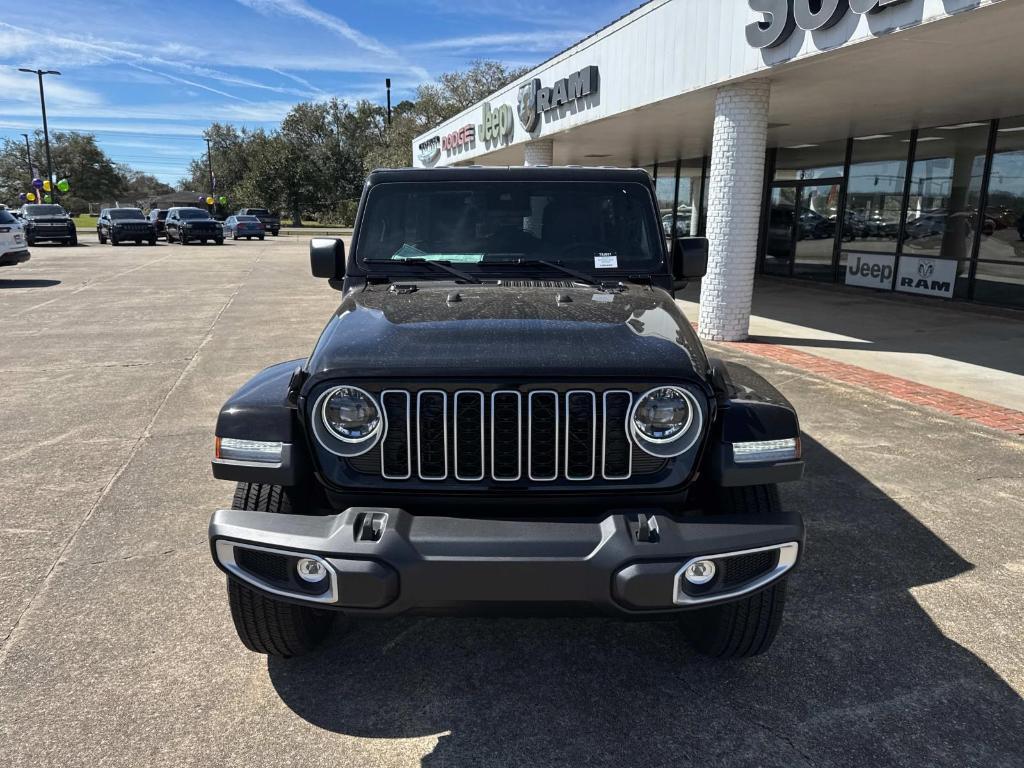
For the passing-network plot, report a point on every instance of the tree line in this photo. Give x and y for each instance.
(314, 164)
(93, 176)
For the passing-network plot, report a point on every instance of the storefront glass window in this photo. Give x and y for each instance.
(999, 275)
(665, 185)
(804, 162)
(945, 185)
(874, 193)
(688, 198)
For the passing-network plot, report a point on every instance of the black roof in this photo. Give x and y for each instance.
(512, 173)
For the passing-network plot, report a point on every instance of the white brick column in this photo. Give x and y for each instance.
(735, 185)
(540, 152)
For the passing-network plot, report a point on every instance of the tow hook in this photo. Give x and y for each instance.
(647, 529)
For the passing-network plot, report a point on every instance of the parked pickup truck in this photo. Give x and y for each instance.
(271, 221)
(507, 413)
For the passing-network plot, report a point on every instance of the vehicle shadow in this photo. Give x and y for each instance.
(4, 283)
(859, 675)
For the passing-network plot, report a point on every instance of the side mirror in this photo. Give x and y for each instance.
(689, 258)
(327, 257)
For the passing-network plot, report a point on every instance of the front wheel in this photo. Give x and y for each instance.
(219, 241)
(103, 240)
(737, 630)
(73, 240)
(263, 624)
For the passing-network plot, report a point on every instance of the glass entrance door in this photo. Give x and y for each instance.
(801, 230)
(816, 231)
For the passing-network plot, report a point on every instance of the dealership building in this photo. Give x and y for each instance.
(869, 143)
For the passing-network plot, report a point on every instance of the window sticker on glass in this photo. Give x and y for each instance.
(606, 261)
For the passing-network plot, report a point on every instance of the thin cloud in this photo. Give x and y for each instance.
(537, 41)
(302, 10)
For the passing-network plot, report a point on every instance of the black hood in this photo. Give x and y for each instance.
(509, 332)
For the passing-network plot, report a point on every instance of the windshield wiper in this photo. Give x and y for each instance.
(583, 277)
(443, 265)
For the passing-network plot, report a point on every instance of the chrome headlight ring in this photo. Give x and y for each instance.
(677, 444)
(336, 443)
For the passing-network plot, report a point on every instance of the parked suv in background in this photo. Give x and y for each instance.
(507, 412)
(12, 240)
(189, 224)
(157, 216)
(124, 224)
(47, 223)
(271, 221)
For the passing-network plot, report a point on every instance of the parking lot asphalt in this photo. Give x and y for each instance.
(901, 644)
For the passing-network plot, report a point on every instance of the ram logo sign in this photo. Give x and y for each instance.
(928, 277)
(534, 100)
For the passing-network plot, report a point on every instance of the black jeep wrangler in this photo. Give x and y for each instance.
(507, 413)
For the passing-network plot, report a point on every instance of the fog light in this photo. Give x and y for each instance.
(311, 570)
(700, 572)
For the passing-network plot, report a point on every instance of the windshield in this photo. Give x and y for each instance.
(585, 225)
(192, 213)
(259, 212)
(126, 213)
(6, 218)
(246, 218)
(43, 210)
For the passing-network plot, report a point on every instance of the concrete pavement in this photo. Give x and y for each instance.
(901, 644)
(970, 350)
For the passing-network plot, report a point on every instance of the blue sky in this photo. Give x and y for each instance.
(147, 78)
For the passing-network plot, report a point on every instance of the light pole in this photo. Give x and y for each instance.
(46, 132)
(387, 86)
(209, 166)
(28, 153)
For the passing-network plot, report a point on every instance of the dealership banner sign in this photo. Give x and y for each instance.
(430, 150)
(781, 17)
(533, 99)
(870, 270)
(929, 277)
(459, 138)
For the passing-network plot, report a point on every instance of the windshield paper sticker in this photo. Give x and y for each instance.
(606, 261)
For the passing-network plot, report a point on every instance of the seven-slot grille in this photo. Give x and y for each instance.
(506, 435)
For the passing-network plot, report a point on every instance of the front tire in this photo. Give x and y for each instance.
(740, 629)
(263, 624)
(748, 626)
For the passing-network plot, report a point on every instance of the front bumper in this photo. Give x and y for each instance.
(386, 561)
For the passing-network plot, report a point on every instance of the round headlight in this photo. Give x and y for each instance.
(351, 414)
(663, 414)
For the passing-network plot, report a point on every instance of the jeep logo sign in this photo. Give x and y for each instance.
(497, 123)
(534, 100)
(870, 270)
(781, 17)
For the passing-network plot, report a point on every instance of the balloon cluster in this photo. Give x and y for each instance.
(43, 185)
(209, 199)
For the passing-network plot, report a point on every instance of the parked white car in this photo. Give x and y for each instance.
(12, 240)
